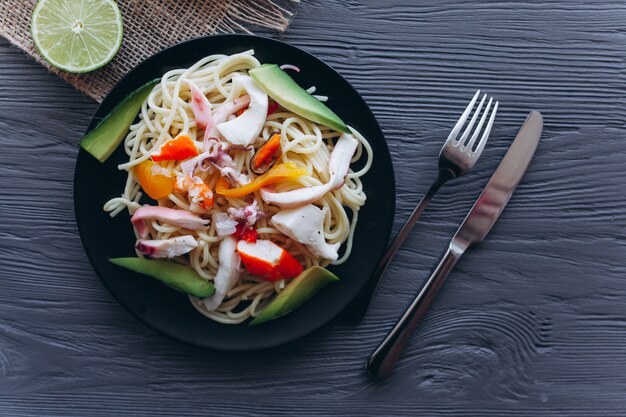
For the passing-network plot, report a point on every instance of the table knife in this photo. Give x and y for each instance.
(474, 228)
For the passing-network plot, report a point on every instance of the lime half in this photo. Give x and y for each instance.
(77, 35)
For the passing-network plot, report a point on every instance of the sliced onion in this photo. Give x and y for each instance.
(290, 67)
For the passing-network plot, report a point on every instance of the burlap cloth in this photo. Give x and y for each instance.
(149, 26)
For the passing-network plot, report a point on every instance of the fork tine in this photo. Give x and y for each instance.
(470, 144)
(470, 125)
(483, 140)
(457, 127)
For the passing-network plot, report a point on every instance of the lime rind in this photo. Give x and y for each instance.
(77, 35)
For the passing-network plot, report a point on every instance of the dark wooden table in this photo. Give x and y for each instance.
(531, 322)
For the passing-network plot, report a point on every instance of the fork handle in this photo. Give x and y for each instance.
(383, 360)
(357, 309)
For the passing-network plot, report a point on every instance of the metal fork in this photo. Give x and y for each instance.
(455, 159)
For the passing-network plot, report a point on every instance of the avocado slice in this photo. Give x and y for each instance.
(107, 135)
(177, 276)
(299, 290)
(284, 90)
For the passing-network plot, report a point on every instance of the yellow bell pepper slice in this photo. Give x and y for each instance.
(278, 173)
(156, 181)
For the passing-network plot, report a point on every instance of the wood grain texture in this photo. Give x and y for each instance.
(531, 322)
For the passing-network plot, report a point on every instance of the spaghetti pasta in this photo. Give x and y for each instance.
(167, 113)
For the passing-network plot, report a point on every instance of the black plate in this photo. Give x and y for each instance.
(169, 311)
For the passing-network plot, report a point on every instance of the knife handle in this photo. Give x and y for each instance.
(385, 357)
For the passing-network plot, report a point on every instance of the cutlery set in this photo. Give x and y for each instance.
(456, 158)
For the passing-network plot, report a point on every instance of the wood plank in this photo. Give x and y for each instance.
(530, 323)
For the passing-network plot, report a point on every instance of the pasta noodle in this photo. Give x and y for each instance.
(167, 113)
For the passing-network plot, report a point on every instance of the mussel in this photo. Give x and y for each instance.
(266, 155)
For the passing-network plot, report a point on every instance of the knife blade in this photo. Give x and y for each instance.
(479, 221)
(500, 187)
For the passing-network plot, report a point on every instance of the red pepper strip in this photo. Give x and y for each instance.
(272, 107)
(247, 234)
(177, 149)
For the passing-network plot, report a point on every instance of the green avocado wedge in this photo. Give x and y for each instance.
(180, 277)
(105, 138)
(285, 91)
(299, 290)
